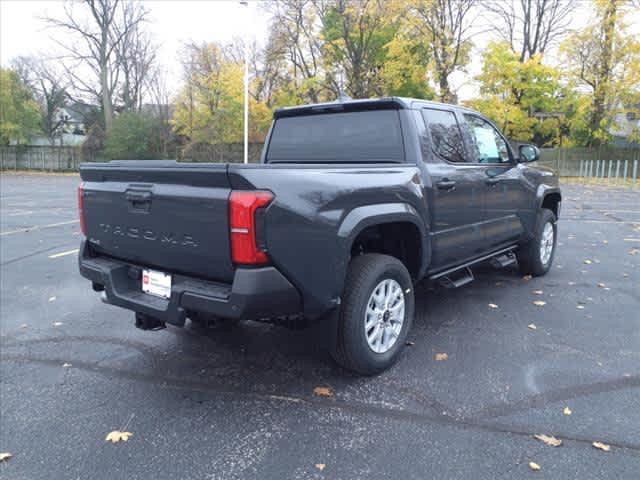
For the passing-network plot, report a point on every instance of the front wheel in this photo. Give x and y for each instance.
(376, 314)
(536, 256)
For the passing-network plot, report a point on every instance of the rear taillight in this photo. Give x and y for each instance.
(242, 225)
(83, 227)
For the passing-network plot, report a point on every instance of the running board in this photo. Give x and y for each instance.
(457, 279)
(450, 271)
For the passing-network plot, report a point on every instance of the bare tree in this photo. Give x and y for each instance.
(531, 26)
(136, 55)
(91, 53)
(160, 107)
(295, 37)
(50, 88)
(448, 27)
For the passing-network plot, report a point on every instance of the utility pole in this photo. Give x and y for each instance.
(246, 81)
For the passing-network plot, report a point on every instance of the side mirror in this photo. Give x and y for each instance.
(529, 153)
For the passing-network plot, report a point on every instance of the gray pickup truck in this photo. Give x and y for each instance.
(352, 203)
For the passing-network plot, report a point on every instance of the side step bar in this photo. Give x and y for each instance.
(457, 279)
(504, 260)
(461, 275)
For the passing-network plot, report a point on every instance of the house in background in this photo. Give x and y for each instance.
(73, 121)
(625, 128)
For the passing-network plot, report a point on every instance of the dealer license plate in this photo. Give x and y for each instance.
(156, 283)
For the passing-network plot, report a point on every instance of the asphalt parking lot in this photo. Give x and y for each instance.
(239, 404)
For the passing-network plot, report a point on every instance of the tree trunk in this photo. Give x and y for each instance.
(107, 105)
(604, 72)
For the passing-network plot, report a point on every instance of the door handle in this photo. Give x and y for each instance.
(492, 181)
(446, 184)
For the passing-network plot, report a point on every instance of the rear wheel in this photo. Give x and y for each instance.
(536, 256)
(376, 314)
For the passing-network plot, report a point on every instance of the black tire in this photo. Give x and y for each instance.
(350, 347)
(529, 254)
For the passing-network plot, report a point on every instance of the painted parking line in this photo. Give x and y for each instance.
(64, 254)
(586, 220)
(632, 239)
(37, 227)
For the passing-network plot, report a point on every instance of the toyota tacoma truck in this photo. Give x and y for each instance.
(352, 203)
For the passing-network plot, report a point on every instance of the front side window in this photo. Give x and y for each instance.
(446, 136)
(490, 147)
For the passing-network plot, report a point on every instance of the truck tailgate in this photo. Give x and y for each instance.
(160, 214)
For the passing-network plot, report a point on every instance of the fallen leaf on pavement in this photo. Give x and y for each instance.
(323, 392)
(567, 411)
(526, 278)
(587, 262)
(66, 365)
(57, 324)
(441, 356)
(605, 241)
(549, 440)
(320, 466)
(534, 466)
(539, 303)
(601, 446)
(24, 325)
(52, 299)
(532, 326)
(493, 305)
(601, 285)
(633, 251)
(117, 435)
(409, 343)
(5, 456)
(537, 292)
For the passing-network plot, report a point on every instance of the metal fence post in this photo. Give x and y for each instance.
(625, 171)
(617, 171)
(609, 173)
(635, 173)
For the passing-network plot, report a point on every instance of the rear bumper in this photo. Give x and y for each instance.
(254, 294)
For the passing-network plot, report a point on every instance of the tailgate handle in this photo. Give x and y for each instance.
(139, 199)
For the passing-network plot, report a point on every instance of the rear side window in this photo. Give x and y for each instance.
(368, 136)
(445, 134)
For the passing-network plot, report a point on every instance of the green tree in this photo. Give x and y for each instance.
(604, 58)
(134, 136)
(526, 99)
(355, 38)
(209, 108)
(19, 112)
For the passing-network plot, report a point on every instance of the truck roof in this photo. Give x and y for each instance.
(350, 105)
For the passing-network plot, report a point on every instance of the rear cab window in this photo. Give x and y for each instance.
(369, 136)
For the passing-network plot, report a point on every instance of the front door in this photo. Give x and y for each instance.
(502, 180)
(455, 197)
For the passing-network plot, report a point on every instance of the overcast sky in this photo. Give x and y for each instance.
(174, 22)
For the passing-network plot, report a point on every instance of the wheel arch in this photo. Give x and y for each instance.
(551, 200)
(390, 219)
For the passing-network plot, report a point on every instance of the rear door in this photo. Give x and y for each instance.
(504, 190)
(164, 215)
(456, 197)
